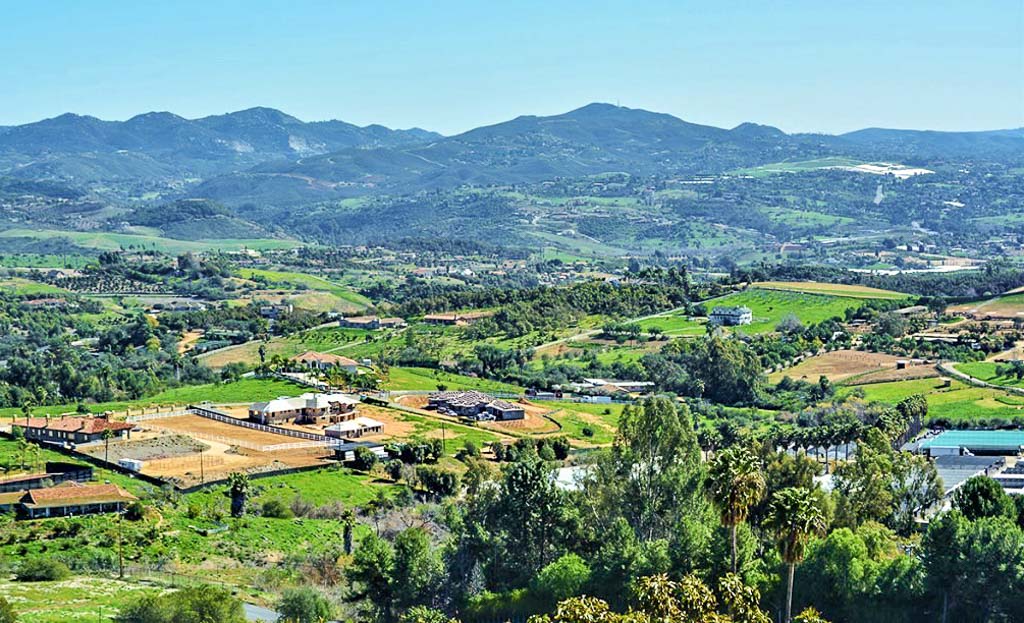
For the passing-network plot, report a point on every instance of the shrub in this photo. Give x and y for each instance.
(42, 569)
(276, 509)
(587, 431)
(562, 579)
(364, 459)
(304, 605)
(7, 613)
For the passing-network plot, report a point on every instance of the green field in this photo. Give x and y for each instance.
(241, 391)
(19, 285)
(798, 166)
(601, 419)
(293, 280)
(323, 340)
(987, 371)
(958, 403)
(74, 599)
(107, 241)
(427, 379)
(832, 289)
(768, 307)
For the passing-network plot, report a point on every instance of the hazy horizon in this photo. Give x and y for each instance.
(800, 67)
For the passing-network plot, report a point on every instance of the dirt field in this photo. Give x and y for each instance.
(187, 340)
(843, 364)
(1006, 306)
(229, 449)
(150, 448)
(532, 423)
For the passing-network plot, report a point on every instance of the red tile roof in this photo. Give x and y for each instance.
(335, 360)
(74, 494)
(74, 424)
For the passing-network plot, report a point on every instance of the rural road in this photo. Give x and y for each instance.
(256, 613)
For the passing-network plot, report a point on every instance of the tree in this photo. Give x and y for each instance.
(238, 489)
(107, 436)
(423, 614)
(794, 516)
(652, 475)
(735, 483)
(981, 496)
(373, 567)
(563, 578)
(303, 605)
(417, 570)
(348, 521)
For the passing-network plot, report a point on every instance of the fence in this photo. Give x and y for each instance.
(220, 416)
(135, 419)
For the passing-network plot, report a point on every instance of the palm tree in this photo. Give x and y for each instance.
(348, 520)
(107, 436)
(238, 487)
(794, 516)
(735, 484)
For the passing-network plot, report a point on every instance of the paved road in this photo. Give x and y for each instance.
(256, 613)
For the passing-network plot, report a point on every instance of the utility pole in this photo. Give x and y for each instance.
(202, 470)
(444, 448)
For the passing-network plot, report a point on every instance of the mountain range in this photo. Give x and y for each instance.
(264, 156)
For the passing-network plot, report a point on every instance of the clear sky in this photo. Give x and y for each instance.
(820, 65)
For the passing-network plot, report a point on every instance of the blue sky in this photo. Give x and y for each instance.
(450, 66)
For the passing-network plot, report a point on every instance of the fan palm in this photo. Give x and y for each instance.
(735, 484)
(794, 516)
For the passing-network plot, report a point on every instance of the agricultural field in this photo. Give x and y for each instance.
(427, 379)
(852, 367)
(988, 371)
(1006, 306)
(798, 166)
(768, 306)
(349, 300)
(330, 339)
(831, 289)
(105, 241)
(956, 402)
(20, 285)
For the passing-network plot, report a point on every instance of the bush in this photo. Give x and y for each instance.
(364, 459)
(7, 613)
(304, 605)
(42, 570)
(562, 579)
(587, 431)
(197, 603)
(276, 509)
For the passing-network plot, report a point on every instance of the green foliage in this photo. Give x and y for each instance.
(42, 569)
(981, 496)
(276, 509)
(199, 604)
(303, 605)
(562, 579)
(7, 613)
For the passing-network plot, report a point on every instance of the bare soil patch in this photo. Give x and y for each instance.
(838, 365)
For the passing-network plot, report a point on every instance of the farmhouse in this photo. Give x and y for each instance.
(355, 428)
(305, 409)
(457, 318)
(273, 312)
(325, 361)
(371, 322)
(69, 498)
(73, 429)
(600, 385)
(475, 405)
(55, 473)
(731, 316)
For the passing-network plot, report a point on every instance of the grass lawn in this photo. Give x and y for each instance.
(455, 435)
(601, 419)
(768, 307)
(426, 379)
(986, 371)
(75, 599)
(958, 403)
